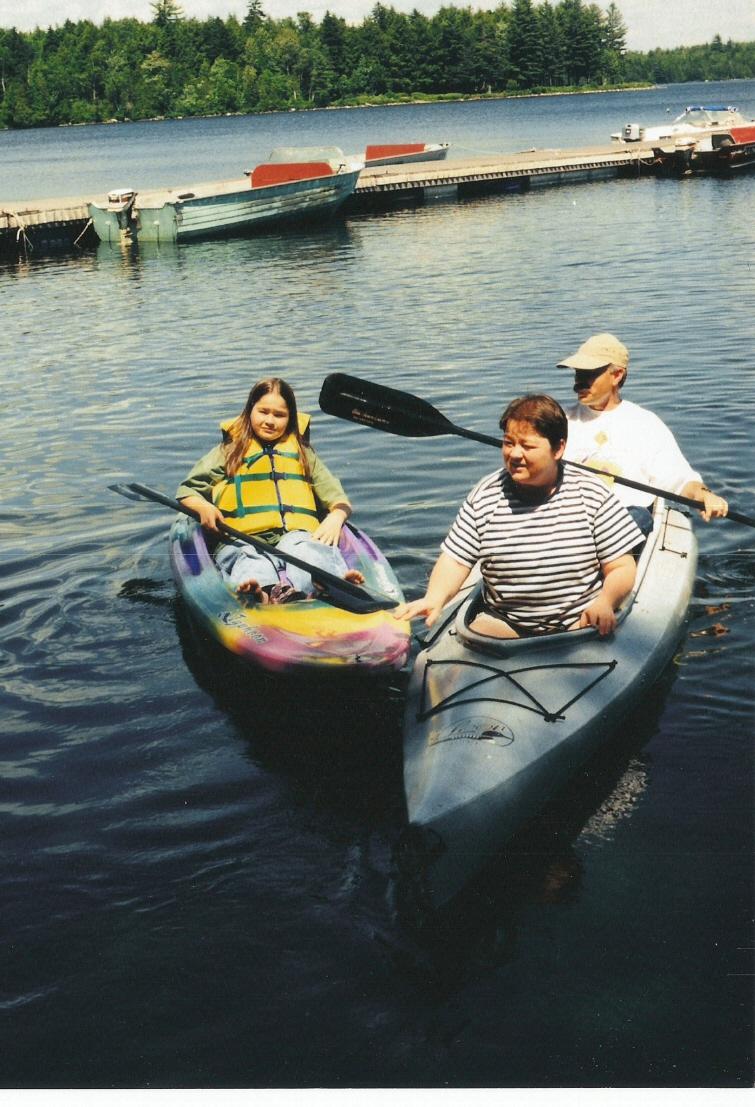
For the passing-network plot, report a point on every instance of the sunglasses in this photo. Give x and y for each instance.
(590, 374)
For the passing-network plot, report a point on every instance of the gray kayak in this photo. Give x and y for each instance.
(493, 729)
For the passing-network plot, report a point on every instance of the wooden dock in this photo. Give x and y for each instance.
(496, 173)
(31, 228)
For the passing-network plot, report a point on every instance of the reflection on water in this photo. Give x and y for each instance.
(353, 720)
(619, 805)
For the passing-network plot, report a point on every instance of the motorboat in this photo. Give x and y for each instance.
(403, 153)
(296, 188)
(694, 121)
(395, 153)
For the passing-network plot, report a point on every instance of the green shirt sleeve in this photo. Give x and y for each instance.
(327, 488)
(204, 476)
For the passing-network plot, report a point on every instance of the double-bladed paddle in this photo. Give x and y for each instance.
(341, 593)
(388, 409)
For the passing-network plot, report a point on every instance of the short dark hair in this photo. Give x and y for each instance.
(543, 412)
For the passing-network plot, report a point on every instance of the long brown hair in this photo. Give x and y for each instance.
(239, 434)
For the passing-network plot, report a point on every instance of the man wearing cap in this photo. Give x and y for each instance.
(620, 437)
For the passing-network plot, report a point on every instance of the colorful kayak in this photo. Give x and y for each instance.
(493, 729)
(305, 635)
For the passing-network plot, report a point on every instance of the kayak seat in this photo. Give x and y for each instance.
(477, 606)
(468, 611)
(191, 557)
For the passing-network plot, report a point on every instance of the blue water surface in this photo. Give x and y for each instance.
(196, 861)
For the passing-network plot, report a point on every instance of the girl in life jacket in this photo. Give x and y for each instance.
(266, 480)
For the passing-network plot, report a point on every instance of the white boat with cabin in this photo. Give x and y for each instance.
(694, 122)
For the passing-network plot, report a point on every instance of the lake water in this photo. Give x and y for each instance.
(196, 865)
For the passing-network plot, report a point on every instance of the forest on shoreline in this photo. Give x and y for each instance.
(125, 69)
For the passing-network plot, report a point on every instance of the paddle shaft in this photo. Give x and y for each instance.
(368, 601)
(686, 501)
(388, 409)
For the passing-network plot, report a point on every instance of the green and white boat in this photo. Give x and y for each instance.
(274, 192)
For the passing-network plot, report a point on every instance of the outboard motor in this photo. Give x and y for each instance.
(121, 202)
(633, 132)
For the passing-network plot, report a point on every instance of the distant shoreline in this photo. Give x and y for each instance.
(408, 101)
(405, 101)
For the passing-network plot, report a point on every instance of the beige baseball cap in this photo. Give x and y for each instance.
(599, 351)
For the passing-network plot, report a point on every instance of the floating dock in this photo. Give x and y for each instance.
(380, 187)
(35, 228)
(30, 228)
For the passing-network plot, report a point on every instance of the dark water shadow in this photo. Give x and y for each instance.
(147, 591)
(338, 734)
(479, 930)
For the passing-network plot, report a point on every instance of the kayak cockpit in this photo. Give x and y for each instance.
(467, 610)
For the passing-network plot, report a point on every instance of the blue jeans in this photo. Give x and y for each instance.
(241, 563)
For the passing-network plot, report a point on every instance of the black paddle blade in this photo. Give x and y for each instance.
(374, 405)
(125, 490)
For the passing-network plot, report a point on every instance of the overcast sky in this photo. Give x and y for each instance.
(650, 23)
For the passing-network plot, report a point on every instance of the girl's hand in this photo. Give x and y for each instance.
(329, 530)
(209, 515)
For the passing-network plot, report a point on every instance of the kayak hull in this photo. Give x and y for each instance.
(303, 636)
(494, 729)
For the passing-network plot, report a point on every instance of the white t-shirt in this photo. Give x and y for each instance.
(541, 562)
(629, 441)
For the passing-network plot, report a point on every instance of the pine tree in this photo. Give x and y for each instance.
(254, 16)
(166, 12)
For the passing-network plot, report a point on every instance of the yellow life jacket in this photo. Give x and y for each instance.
(270, 490)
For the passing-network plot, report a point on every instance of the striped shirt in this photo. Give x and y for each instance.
(541, 562)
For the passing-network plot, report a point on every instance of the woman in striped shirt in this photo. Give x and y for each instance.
(554, 545)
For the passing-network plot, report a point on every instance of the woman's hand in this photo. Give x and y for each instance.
(600, 614)
(618, 579)
(329, 530)
(445, 581)
(427, 607)
(209, 515)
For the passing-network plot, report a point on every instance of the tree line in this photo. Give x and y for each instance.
(82, 72)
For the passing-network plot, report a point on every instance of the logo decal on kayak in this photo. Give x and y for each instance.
(478, 729)
(232, 619)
